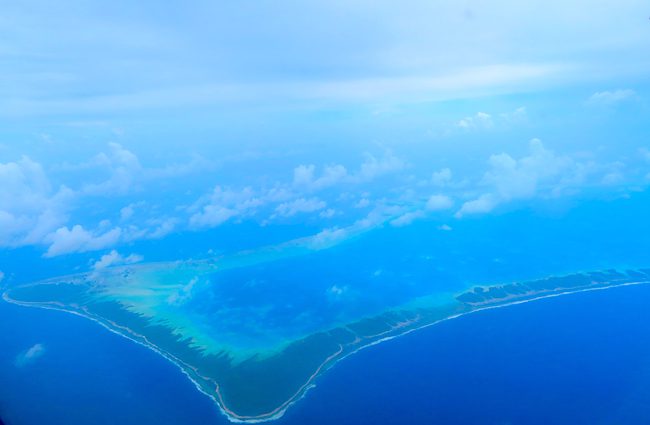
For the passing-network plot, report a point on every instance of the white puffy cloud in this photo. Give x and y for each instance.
(374, 167)
(126, 212)
(483, 204)
(439, 202)
(114, 258)
(300, 205)
(328, 237)
(332, 174)
(614, 173)
(335, 235)
(445, 228)
(40, 214)
(30, 355)
(363, 203)
(304, 176)
(442, 177)
(212, 216)
(33, 210)
(162, 227)
(328, 213)
(609, 98)
(54, 213)
(521, 178)
(222, 204)
(481, 120)
(486, 121)
(29, 207)
(406, 218)
(124, 170)
(337, 292)
(540, 172)
(78, 239)
(23, 184)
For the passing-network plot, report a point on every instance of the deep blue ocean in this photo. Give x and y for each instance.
(576, 359)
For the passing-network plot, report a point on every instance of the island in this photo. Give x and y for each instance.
(255, 330)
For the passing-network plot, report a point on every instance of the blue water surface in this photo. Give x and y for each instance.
(576, 359)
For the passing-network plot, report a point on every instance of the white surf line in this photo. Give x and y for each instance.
(172, 359)
(309, 384)
(455, 316)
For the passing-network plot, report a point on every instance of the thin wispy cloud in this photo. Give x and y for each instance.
(30, 355)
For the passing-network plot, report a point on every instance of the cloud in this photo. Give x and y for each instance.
(335, 235)
(301, 205)
(30, 355)
(304, 176)
(407, 218)
(520, 178)
(223, 204)
(363, 203)
(442, 177)
(196, 164)
(29, 207)
(445, 228)
(124, 170)
(540, 172)
(460, 83)
(439, 202)
(306, 61)
(610, 98)
(374, 167)
(467, 82)
(332, 174)
(613, 178)
(337, 292)
(2, 276)
(126, 212)
(479, 121)
(78, 239)
(162, 227)
(328, 213)
(212, 216)
(33, 209)
(23, 184)
(114, 258)
(287, 200)
(483, 204)
(328, 237)
(485, 121)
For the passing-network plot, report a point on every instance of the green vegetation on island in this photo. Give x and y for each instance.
(261, 386)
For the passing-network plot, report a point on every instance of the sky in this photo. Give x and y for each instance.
(126, 124)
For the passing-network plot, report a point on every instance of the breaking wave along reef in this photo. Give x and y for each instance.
(255, 330)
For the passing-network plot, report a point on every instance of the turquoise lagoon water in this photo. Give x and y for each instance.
(570, 360)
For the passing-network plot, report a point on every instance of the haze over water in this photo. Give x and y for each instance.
(264, 193)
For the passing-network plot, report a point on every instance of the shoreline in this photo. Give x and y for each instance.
(330, 362)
